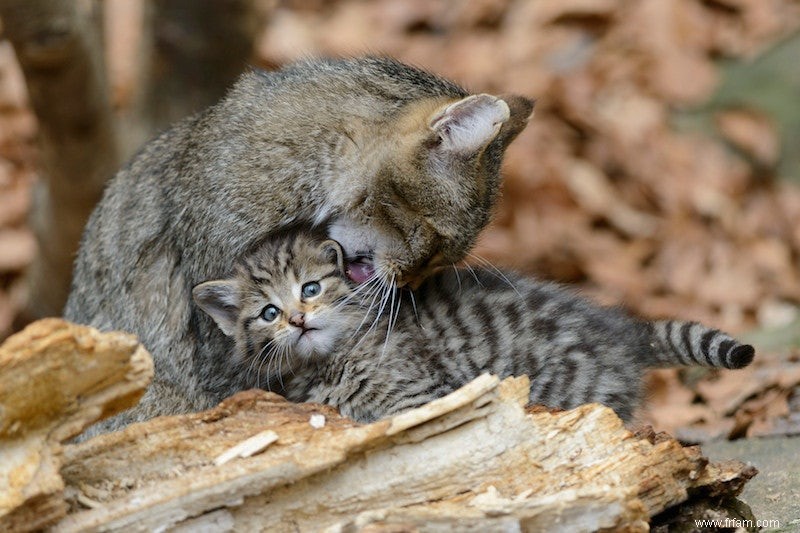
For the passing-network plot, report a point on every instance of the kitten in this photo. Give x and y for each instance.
(290, 308)
(403, 164)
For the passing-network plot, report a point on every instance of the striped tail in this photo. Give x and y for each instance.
(689, 343)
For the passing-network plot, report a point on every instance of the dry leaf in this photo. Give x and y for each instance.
(751, 131)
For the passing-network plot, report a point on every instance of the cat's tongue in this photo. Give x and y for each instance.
(360, 271)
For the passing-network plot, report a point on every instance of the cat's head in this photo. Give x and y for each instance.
(287, 299)
(434, 190)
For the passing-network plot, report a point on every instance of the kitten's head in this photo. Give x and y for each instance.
(434, 190)
(288, 298)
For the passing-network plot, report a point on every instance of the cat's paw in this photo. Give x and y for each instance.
(470, 124)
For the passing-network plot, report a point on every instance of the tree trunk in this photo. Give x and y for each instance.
(58, 48)
(192, 52)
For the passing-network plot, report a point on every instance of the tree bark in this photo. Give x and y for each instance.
(58, 47)
(192, 52)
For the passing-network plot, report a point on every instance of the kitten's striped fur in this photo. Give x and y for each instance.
(458, 325)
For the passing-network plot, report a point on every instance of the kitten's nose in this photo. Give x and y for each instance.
(297, 319)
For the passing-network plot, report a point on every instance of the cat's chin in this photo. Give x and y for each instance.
(359, 243)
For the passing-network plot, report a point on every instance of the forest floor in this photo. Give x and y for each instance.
(775, 492)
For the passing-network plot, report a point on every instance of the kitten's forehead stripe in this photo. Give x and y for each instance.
(330, 274)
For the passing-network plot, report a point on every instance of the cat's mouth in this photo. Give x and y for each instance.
(360, 268)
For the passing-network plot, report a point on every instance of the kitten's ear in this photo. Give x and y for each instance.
(468, 125)
(220, 299)
(333, 252)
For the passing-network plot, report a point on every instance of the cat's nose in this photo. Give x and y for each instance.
(297, 319)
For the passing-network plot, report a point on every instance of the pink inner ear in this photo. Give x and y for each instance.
(470, 124)
(360, 272)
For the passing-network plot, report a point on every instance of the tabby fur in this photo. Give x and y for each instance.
(371, 356)
(402, 164)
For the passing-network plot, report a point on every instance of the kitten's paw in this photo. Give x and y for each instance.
(470, 124)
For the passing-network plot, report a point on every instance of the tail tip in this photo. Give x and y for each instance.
(741, 356)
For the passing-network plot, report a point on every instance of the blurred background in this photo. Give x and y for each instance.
(660, 171)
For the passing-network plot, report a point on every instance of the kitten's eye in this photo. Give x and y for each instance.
(270, 313)
(311, 289)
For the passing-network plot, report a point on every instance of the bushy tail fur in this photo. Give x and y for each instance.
(678, 343)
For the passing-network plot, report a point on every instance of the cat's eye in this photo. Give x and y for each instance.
(270, 313)
(311, 289)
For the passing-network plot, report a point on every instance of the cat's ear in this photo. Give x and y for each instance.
(520, 111)
(220, 299)
(333, 252)
(465, 127)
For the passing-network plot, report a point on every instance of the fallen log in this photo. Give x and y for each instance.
(475, 459)
(56, 379)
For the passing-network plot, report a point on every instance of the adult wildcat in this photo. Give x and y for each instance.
(290, 308)
(403, 164)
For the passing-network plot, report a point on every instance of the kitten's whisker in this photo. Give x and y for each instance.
(287, 354)
(260, 358)
(289, 361)
(497, 271)
(280, 360)
(268, 358)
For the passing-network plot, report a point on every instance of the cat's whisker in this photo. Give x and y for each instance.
(386, 293)
(474, 275)
(375, 293)
(392, 320)
(370, 288)
(385, 286)
(497, 272)
(392, 295)
(458, 276)
(366, 286)
(414, 306)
